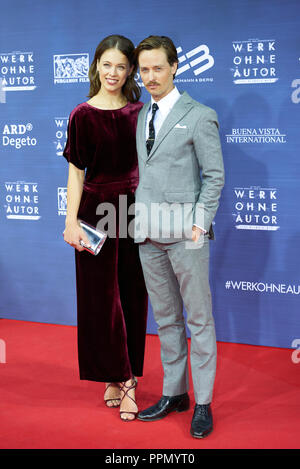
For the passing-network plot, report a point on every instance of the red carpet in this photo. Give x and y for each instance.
(44, 404)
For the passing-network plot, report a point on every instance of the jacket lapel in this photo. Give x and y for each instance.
(142, 130)
(181, 107)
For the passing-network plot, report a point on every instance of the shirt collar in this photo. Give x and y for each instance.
(167, 102)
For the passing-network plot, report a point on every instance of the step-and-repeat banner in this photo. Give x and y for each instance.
(240, 58)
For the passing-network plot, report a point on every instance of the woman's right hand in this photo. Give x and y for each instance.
(73, 234)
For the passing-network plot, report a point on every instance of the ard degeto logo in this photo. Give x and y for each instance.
(18, 136)
(71, 68)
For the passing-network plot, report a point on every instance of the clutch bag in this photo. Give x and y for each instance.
(96, 238)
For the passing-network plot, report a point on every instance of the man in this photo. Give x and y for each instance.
(181, 171)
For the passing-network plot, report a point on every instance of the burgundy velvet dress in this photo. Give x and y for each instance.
(111, 295)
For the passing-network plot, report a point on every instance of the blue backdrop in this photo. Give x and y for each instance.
(240, 57)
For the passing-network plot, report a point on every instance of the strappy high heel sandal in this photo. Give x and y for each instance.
(125, 389)
(106, 400)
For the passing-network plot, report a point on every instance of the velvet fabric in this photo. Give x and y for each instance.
(111, 295)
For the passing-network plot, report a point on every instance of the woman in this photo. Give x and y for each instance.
(111, 294)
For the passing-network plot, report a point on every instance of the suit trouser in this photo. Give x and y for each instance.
(175, 276)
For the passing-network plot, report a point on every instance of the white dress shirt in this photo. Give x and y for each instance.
(164, 107)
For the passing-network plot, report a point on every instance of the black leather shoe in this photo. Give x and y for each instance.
(202, 422)
(164, 406)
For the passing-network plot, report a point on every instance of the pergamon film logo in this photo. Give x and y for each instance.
(17, 72)
(71, 68)
(254, 61)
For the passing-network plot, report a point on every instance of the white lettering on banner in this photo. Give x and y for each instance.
(254, 61)
(262, 287)
(204, 56)
(22, 201)
(18, 72)
(17, 129)
(256, 208)
(61, 134)
(18, 142)
(260, 135)
(2, 91)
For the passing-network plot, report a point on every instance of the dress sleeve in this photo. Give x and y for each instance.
(74, 150)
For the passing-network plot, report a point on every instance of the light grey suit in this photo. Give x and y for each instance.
(184, 172)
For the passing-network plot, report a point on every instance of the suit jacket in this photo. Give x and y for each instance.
(182, 177)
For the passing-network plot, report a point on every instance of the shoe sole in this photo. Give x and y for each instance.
(201, 436)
